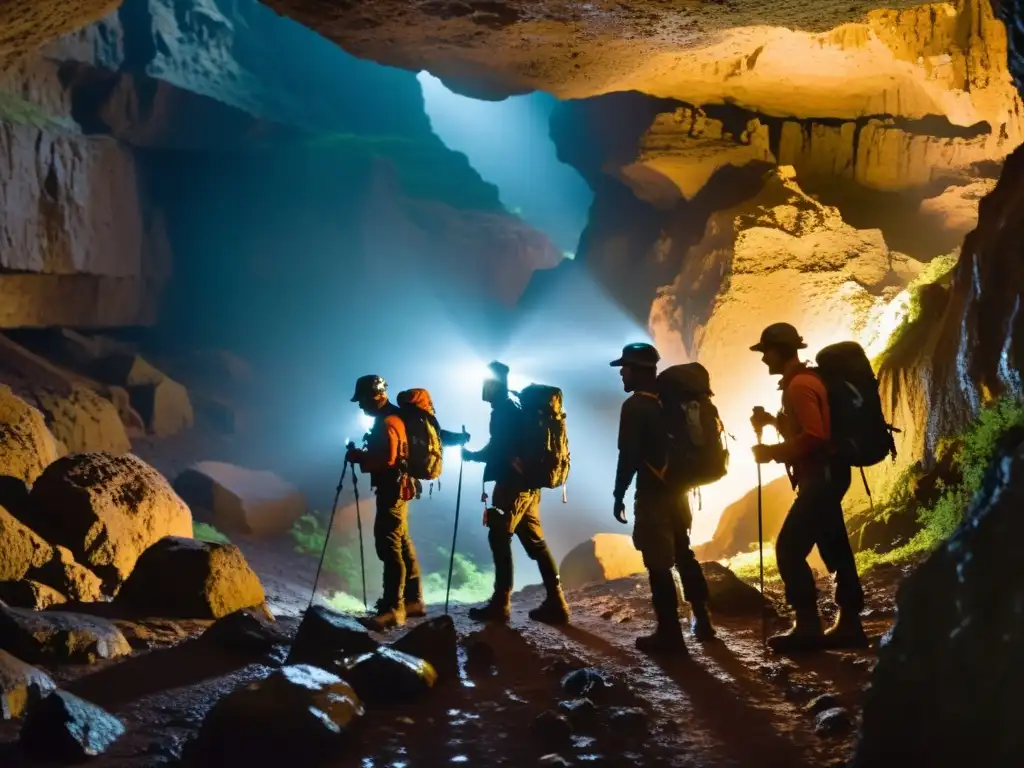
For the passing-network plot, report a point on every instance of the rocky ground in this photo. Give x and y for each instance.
(512, 703)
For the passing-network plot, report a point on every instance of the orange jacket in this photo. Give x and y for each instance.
(805, 421)
(387, 447)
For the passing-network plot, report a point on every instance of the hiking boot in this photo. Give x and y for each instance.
(554, 609)
(498, 609)
(662, 642)
(415, 609)
(805, 635)
(700, 625)
(384, 619)
(847, 632)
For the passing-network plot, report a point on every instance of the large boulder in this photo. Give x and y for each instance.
(107, 510)
(56, 636)
(21, 548)
(82, 420)
(325, 638)
(236, 500)
(20, 685)
(603, 557)
(64, 728)
(299, 715)
(190, 579)
(737, 527)
(27, 446)
(947, 684)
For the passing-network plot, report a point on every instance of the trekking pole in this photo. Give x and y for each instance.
(359, 528)
(455, 532)
(760, 543)
(330, 527)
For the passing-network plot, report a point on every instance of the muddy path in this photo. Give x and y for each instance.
(730, 704)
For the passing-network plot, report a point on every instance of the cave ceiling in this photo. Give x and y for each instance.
(748, 52)
(25, 25)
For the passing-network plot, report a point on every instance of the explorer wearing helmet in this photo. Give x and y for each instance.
(383, 459)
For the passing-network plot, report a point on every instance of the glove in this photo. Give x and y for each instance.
(353, 455)
(620, 511)
(468, 455)
(463, 438)
(764, 453)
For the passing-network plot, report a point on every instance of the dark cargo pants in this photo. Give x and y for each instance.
(516, 512)
(661, 534)
(816, 517)
(395, 550)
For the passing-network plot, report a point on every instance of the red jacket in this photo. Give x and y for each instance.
(805, 421)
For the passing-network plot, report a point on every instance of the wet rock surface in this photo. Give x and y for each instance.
(66, 728)
(107, 510)
(21, 685)
(56, 636)
(246, 631)
(326, 637)
(210, 581)
(435, 641)
(953, 655)
(388, 677)
(299, 714)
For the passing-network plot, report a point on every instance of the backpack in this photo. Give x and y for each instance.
(543, 440)
(426, 453)
(861, 437)
(697, 450)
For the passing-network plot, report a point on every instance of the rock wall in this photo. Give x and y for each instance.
(117, 131)
(79, 243)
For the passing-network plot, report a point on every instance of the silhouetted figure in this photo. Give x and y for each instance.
(816, 516)
(514, 510)
(661, 512)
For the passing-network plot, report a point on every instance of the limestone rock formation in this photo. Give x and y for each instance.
(209, 581)
(297, 714)
(27, 446)
(242, 501)
(478, 48)
(21, 685)
(107, 510)
(953, 655)
(780, 257)
(26, 27)
(603, 557)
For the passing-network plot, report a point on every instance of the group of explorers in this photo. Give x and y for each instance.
(671, 441)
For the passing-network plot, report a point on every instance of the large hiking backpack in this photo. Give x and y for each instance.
(861, 437)
(426, 454)
(697, 450)
(543, 439)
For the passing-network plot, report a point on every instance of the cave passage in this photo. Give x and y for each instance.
(508, 142)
